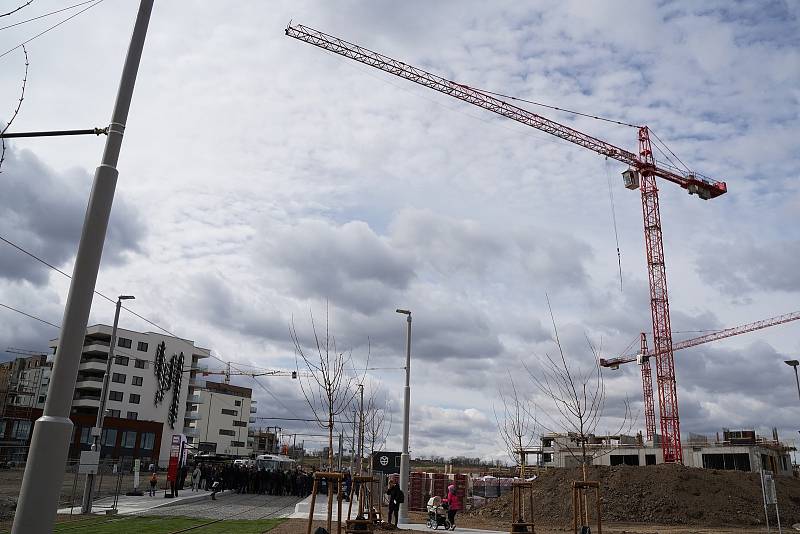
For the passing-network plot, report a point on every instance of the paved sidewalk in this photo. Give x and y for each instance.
(321, 513)
(133, 504)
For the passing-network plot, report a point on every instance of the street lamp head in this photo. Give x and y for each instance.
(126, 297)
(404, 312)
(793, 363)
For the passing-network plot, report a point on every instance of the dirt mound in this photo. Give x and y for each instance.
(661, 494)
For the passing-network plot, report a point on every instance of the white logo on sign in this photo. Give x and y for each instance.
(384, 461)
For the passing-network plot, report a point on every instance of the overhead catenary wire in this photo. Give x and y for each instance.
(46, 15)
(29, 315)
(54, 26)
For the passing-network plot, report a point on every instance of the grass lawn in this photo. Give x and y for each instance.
(163, 525)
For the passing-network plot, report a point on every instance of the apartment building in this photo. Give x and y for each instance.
(741, 450)
(155, 378)
(221, 418)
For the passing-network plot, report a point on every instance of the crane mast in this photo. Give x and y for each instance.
(641, 165)
(643, 358)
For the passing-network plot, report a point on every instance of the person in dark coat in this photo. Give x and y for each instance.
(395, 498)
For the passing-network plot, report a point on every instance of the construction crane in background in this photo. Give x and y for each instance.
(643, 358)
(265, 372)
(641, 173)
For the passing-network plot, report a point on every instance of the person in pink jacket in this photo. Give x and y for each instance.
(453, 505)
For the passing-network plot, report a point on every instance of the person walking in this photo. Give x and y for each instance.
(453, 505)
(196, 478)
(153, 484)
(395, 498)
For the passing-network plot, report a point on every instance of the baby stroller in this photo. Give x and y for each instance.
(437, 514)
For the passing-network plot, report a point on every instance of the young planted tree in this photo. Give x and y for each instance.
(326, 386)
(516, 424)
(577, 392)
(377, 421)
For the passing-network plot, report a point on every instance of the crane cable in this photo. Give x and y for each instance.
(614, 219)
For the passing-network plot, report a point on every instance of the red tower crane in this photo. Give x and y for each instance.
(643, 358)
(641, 173)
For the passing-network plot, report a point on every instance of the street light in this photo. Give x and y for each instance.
(794, 363)
(97, 431)
(404, 463)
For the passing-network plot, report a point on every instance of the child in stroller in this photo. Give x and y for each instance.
(437, 514)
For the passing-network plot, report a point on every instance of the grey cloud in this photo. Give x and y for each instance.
(350, 264)
(43, 210)
(742, 267)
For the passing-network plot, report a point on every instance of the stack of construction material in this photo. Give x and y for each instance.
(417, 492)
(439, 483)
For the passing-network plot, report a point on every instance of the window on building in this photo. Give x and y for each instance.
(240, 423)
(20, 430)
(137, 380)
(142, 346)
(225, 411)
(122, 360)
(124, 342)
(237, 403)
(113, 413)
(118, 378)
(148, 441)
(86, 438)
(237, 443)
(134, 398)
(115, 396)
(225, 432)
(109, 437)
(42, 398)
(128, 440)
(140, 364)
(133, 415)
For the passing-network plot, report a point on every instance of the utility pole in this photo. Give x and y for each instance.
(341, 450)
(404, 460)
(353, 450)
(97, 431)
(361, 432)
(47, 455)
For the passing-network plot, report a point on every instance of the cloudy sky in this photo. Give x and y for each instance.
(261, 178)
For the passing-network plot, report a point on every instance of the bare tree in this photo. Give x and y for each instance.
(21, 6)
(516, 424)
(327, 387)
(578, 395)
(377, 421)
(19, 102)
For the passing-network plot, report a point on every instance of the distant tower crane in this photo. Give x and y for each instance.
(641, 173)
(643, 358)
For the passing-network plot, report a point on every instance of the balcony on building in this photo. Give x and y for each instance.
(197, 381)
(197, 366)
(86, 400)
(253, 409)
(193, 416)
(252, 419)
(251, 433)
(194, 399)
(89, 382)
(190, 431)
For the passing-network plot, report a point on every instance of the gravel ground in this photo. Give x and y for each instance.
(233, 506)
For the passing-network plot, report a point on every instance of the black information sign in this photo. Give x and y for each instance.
(386, 462)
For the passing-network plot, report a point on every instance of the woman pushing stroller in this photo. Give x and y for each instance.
(453, 505)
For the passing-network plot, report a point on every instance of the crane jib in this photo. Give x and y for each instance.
(705, 188)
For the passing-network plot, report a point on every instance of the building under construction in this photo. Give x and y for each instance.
(741, 450)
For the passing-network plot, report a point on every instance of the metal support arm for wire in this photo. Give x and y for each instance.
(55, 133)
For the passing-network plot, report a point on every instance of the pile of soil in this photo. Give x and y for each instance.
(657, 494)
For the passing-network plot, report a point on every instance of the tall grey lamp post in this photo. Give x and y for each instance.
(404, 460)
(47, 455)
(794, 363)
(97, 431)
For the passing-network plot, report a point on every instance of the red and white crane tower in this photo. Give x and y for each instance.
(641, 173)
(643, 358)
